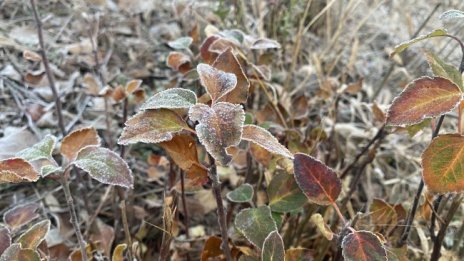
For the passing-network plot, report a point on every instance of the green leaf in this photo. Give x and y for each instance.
(273, 248)
(175, 98)
(440, 68)
(284, 194)
(105, 166)
(403, 46)
(244, 193)
(423, 98)
(452, 14)
(443, 164)
(219, 127)
(41, 150)
(49, 169)
(181, 43)
(35, 235)
(152, 126)
(265, 139)
(363, 246)
(415, 128)
(255, 224)
(15, 253)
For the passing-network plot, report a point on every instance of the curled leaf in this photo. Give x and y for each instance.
(363, 246)
(219, 127)
(273, 248)
(175, 98)
(452, 14)
(152, 126)
(265, 43)
(179, 62)
(118, 253)
(318, 182)
(217, 82)
(423, 98)
(41, 150)
(77, 140)
(443, 164)
(132, 86)
(264, 139)
(17, 170)
(105, 166)
(318, 220)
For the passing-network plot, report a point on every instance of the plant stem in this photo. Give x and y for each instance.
(125, 225)
(48, 71)
(436, 204)
(442, 232)
(412, 212)
(220, 208)
(72, 212)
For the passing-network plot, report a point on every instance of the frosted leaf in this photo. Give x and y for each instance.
(16, 253)
(175, 98)
(105, 166)
(228, 62)
(5, 238)
(41, 150)
(273, 248)
(35, 235)
(264, 139)
(255, 224)
(179, 62)
(20, 215)
(152, 126)
(17, 170)
(77, 140)
(49, 169)
(265, 43)
(181, 43)
(219, 127)
(217, 83)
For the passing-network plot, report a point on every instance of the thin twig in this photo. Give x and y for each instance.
(220, 208)
(48, 71)
(72, 212)
(412, 212)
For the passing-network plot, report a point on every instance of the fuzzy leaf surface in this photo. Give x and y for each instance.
(423, 98)
(152, 126)
(228, 62)
(363, 246)
(41, 150)
(255, 224)
(17, 170)
(452, 14)
(284, 194)
(78, 139)
(318, 182)
(5, 239)
(219, 127)
(35, 235)
(179, 62)
(15, 253)
(174, 98)
(217, 82)
(265, 139)
(443, 164)
(105, 166)
(181, 43)
(273, 248)
(242, 194)
(21, 215)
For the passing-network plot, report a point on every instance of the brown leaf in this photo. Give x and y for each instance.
(21, 215)
(212, 249)
(78, 139)
(264, 138)
(133, 85)
(179, 62)
(228, 62)
(5, 239)
(207, 56)
(17, 170)
(217, 82)
(32, 56)
(35, 235)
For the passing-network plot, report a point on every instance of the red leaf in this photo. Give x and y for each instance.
(217, 82)
(317, 181)
(21, 215)
(423, 98)
(363, 246)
